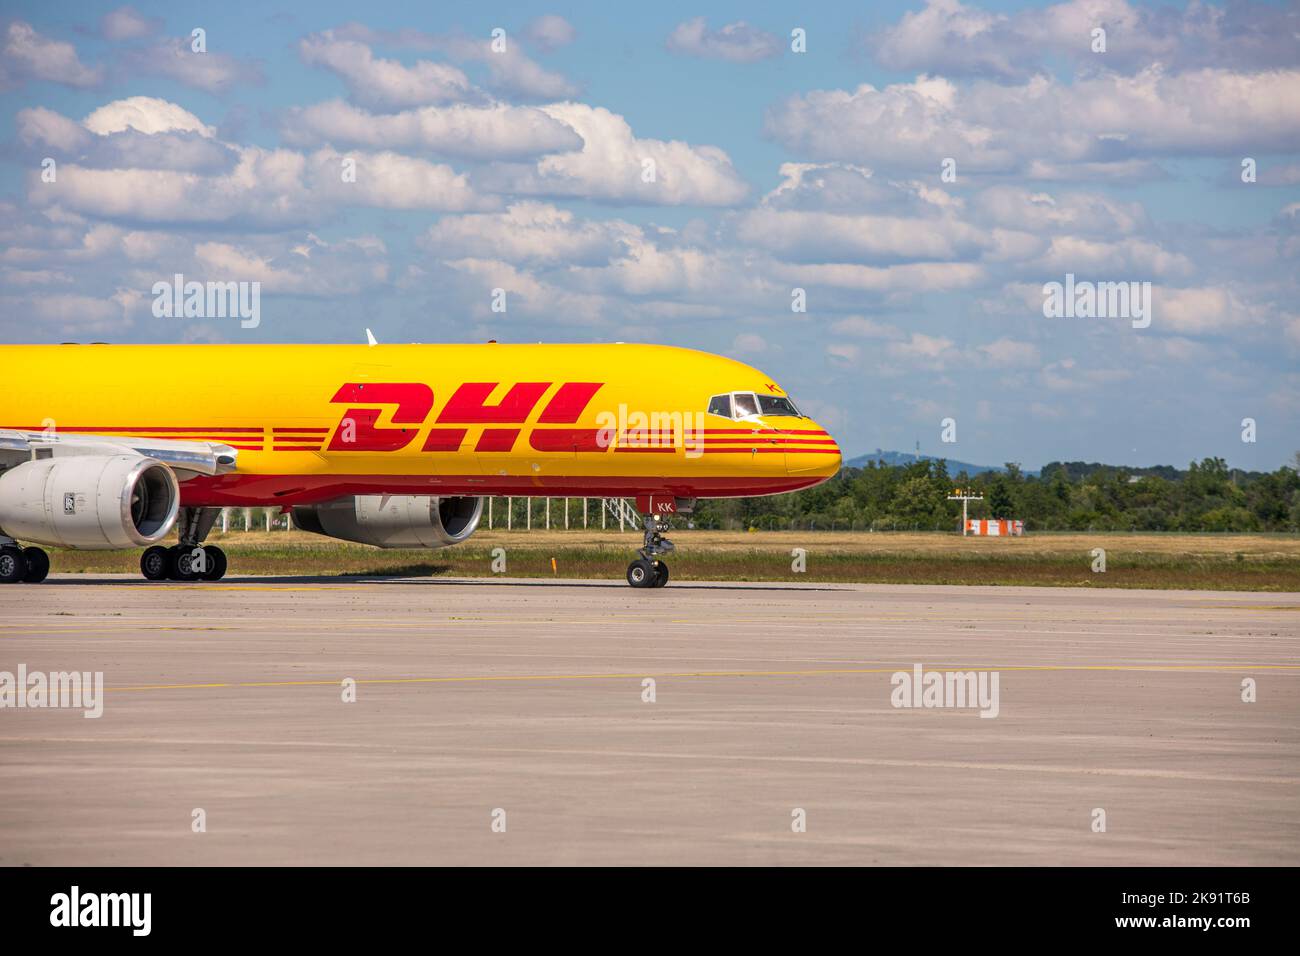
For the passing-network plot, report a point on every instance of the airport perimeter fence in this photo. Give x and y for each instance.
(589, 514)
(602, 514)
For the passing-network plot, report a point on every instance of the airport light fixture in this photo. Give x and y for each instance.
(964, 495)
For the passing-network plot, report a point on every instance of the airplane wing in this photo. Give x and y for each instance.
(186, 458)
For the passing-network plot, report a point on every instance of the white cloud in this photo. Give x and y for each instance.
(139, 133)
(127, 23)
(213, 71)
(498, 131)
(738, 42)
(27, 55)
(147, 160)
(912, 277)
(1073, 212)
(386, 84)
(1115, 260)
(344, 267)
(827, 237)
(530, 232)
(146, 114)
(843, 352)
(388, 180)
(833, 187)
(264, 189)
(46, 127)
(1201, 311)
(550, 32)
(26, 277)
(1008, 353)
(949, 37)
(1097, 121)
(527, 295)
(955, 39)
(612, 165)
(927, 351)
(510, 72)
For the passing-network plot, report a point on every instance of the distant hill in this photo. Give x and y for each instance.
(1077, 470)
(1074, 470)
(896, 458)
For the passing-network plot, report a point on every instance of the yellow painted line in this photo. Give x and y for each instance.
(256, 587)
(640, 675)
(145, 586)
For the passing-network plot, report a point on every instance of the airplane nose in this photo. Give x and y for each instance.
(812, 453)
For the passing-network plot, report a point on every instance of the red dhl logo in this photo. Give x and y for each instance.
(358, 429)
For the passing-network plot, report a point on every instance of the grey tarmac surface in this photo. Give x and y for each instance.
(526, 696)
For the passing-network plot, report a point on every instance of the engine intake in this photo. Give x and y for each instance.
(393, 521)
(89, 501)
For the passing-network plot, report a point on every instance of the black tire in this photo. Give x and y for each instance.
(155, 563)
(182, 564)
(13, 566)
(38, 565)
(641, 573)
(661, 577)
(216, 563)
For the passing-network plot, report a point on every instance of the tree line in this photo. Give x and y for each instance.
(1064, 496)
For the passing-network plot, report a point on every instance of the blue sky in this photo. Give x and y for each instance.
(774, 170)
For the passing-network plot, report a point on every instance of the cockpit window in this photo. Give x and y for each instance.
(745, 404)
(739, 405)
(720, 405)
(777, 405)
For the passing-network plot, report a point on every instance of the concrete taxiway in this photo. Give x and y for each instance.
(528, 697)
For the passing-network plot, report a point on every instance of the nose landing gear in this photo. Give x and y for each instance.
(648, 571)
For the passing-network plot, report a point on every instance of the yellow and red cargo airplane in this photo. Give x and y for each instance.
(113, 446)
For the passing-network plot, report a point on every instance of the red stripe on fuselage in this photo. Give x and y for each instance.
(242, 490)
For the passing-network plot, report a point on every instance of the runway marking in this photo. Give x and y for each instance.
(638, 675)
(258, 587)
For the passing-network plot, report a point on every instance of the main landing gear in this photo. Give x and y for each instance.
(191, 560)
(19, 565)
(648, 571)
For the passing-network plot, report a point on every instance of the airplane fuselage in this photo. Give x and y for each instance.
(310, 423)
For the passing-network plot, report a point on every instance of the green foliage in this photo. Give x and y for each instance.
(1067, 496)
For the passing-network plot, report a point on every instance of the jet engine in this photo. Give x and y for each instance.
(393, 521)
(89, 501)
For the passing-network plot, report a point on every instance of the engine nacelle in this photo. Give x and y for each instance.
(393, 521)
(89, 501)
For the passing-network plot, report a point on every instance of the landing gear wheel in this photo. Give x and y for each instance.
(661, 578)
(13, 566)
(641, 573)
(38, 565)
(155, 563)
(216, 569)
(183, 564)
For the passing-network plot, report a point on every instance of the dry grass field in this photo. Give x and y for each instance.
(1217, 562)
